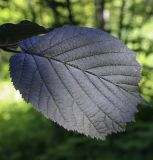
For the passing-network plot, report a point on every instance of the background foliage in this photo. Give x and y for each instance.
(26, 134)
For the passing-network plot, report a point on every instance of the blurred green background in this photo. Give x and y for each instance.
(25, 134)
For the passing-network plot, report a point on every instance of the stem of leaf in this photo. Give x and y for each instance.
(10, 50)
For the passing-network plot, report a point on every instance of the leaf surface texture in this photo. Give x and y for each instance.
(82, 78)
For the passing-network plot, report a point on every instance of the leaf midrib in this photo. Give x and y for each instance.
(87, 72)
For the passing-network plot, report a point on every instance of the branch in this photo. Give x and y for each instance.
(70, 16)
(121, 18)
(100, 4)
